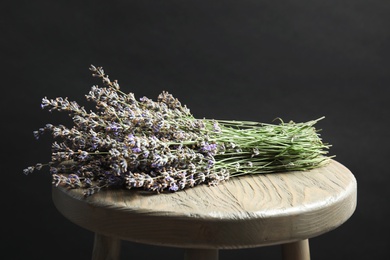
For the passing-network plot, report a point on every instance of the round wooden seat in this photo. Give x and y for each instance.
(247, 211)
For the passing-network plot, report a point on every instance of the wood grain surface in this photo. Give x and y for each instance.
(246, 211)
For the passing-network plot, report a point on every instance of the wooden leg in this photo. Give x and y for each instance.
(296, 251)
(203, 254)
(106, 248)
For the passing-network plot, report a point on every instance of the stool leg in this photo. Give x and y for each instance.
(106, 248)
(296, 251)
(203, 254)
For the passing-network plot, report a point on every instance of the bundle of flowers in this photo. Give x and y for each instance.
(159, 145)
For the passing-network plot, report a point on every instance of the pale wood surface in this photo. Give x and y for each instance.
(243, 212)
(298, 250)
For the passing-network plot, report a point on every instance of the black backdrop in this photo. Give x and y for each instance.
(244, 60)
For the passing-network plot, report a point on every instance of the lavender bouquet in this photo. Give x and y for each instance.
(159, 145)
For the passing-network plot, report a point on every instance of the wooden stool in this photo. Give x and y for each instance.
(247, 211)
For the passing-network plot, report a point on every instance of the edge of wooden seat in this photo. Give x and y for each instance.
(246, 211)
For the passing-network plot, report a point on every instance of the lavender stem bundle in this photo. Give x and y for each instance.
(159, 145)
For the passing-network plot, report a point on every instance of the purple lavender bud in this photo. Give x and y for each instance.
(157, 126)
(156, 187)
(201, 177)
(131, 139)
(130, 182)
(143, 99)
(123, 164)
(92, 68)
(173, 187)
(113, 127)
(182, 184)
(157, 161)
(191, 168)
(114, 152)
(208, 148)
(45, 102)
(210, 163)
(136, 150)
(191, 183)
(145, 154)
(38, 166)
(56, 180)
(169, 179)
(36, 135)
(83, 155)
(87, 182)
(28, 170)
(216, 127)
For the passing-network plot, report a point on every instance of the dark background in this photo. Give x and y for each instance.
(244, 60)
